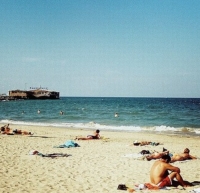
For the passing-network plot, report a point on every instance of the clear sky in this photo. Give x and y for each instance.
(101, 48)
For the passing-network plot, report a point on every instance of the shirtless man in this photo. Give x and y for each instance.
(182, 156)
(159, 174)
(156, 155)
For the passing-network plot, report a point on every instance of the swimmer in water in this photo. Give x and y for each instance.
(116, 115)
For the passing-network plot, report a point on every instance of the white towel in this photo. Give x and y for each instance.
(135, 156)
(196, 190)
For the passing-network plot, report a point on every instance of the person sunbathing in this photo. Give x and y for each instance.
(142, 143)
(6, 130)
(94, 136)
(20, 132)
(182, 156)
(5, 127)
(156, 155)
(176, 157)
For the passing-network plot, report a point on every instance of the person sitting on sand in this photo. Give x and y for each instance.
(6, 130)
(156, 155)
(3, 128)
(182, 156)
(159, 174)
(94, 136)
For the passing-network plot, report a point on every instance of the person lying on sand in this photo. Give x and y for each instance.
(52, 155)
(156, 155)
(176, 157)
(94, 136)
(136, 143)
(160, 176)
(8, 131)
(182, 156)
(20, 132)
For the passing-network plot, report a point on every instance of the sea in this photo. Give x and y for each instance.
(175, 116)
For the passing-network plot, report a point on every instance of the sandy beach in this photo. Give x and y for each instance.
(96, 166)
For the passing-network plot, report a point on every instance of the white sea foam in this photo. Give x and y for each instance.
(197, 131)
(93, 125)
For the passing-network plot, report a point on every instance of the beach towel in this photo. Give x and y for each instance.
(149, 186)
(146, 186)
(196, 190)
(195, 183)
(137, 156)
(68, 144)
(52, 155)
(139, 187)
(104, 138)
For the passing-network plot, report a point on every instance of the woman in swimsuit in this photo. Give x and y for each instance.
(95, 136)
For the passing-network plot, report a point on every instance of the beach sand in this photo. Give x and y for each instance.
(96, 166)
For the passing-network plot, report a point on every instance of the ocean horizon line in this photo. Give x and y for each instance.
(130, 97)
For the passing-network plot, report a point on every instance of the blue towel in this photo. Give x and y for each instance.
(68, 144)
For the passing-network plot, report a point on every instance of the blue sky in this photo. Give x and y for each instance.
(101, 48)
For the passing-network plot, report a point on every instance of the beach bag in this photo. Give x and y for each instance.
(121, 187)
(143, 152)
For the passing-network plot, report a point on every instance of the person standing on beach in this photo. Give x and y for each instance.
(160, 176)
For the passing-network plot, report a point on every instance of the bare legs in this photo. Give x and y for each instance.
(156, 155)
(178, 178)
